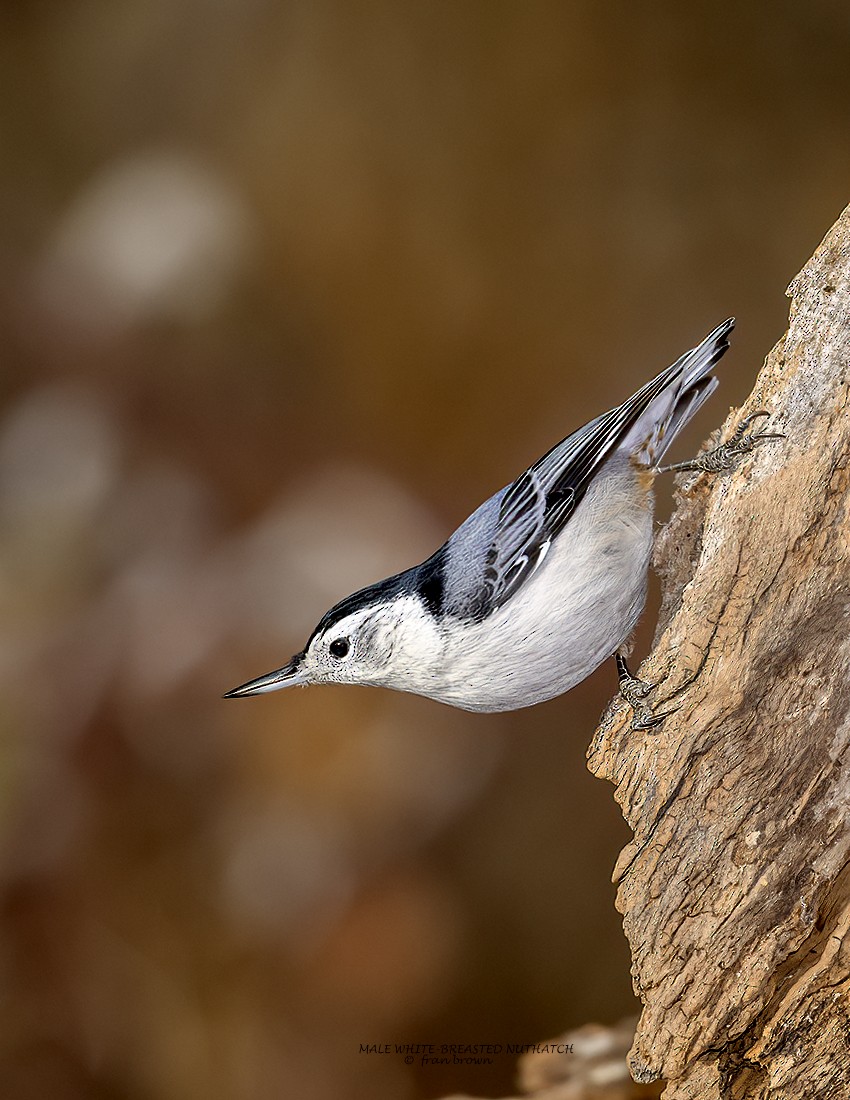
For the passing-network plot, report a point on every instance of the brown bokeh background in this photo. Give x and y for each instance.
(286, 289)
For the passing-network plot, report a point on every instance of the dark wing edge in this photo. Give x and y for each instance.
(517, 544)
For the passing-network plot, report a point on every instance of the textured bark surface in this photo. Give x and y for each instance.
(735, 891)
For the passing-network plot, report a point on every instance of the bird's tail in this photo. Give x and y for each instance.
(684, 387)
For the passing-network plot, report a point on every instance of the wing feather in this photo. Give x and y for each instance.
(517, 546)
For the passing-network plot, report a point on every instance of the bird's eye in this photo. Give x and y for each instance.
(339, 647)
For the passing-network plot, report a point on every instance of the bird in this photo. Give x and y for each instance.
(540, 584)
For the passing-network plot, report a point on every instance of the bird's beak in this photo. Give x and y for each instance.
(291, 675)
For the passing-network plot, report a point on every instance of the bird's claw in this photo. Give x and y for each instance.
(635, 691)
(726, 456)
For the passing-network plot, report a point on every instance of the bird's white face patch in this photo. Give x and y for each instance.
(387, 645)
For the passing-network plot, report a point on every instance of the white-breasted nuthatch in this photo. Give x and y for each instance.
(539, 585)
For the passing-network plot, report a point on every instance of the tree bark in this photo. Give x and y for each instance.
(735, 890)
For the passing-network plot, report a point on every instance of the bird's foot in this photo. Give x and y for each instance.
(635, 691)
(726, 456)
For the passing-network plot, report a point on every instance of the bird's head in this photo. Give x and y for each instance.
(382, 635)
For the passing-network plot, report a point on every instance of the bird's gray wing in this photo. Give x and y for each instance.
(517, 545)
(535, 508)
(538, 505)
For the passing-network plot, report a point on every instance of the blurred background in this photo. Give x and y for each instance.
(286, 289)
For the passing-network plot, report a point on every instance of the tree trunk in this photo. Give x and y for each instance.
(735, 890)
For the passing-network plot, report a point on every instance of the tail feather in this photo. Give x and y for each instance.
(687, 385)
